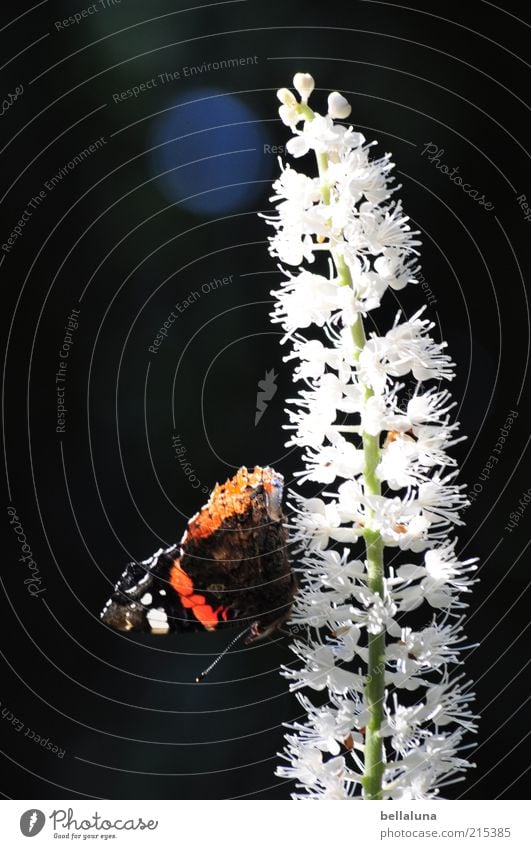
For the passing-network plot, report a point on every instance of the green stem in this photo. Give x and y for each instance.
(322, 158)
(322, 165)
(306, 111)
(375, 686)
(345, 279)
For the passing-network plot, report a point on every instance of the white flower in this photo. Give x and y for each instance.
(431, 442)
(337, 574)
(312, 426)
(341, 459)
(326, 394)
(294, 195)
(365, 294)
(307, 765)
(373, 367)
(442, 578)
(399, 522)
(379, 414)
(403, 725)
(340, 569)
(289, 115)
(448, 704)
(289, 111)
(444, 569)
(328, 726)
(357, 177)
(314, 358)
(409, 348)
(406, 347)
(419, 785)
(319, 777)
(286, 97)
(304, 300)
(347, 645)
(382, 229)
(351, 502)
(322, 136)
(440, 500)
(425, 766)
(394, 268)
(429, 407)
(320, 671)
(291, 247)
(399, 463)
(379, 613)
(407, 458)
(316, 522)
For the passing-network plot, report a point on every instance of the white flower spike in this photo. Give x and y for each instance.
(375, 526)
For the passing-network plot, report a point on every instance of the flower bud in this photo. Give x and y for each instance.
(304, 84)
(289, 115)
(338, 106)
(286, 97)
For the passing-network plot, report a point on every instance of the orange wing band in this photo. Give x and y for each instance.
(204, 613)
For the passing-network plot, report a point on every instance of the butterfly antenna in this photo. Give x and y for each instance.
(238, 637)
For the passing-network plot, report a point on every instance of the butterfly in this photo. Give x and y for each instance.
(230, 568)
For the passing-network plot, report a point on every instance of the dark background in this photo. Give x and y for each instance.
(118, 239)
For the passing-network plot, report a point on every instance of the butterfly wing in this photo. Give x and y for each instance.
(144, 600)
(235, 549)
(230, 567)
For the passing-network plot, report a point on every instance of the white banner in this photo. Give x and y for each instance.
(255, 824)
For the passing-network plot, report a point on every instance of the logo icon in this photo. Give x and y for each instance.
(31, 822)
(266, 390)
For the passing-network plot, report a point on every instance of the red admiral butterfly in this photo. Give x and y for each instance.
(231, 567)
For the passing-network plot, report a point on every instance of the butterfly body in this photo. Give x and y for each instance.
(230, 568)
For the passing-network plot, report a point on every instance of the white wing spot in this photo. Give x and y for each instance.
(158, 621)
(146, 599)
